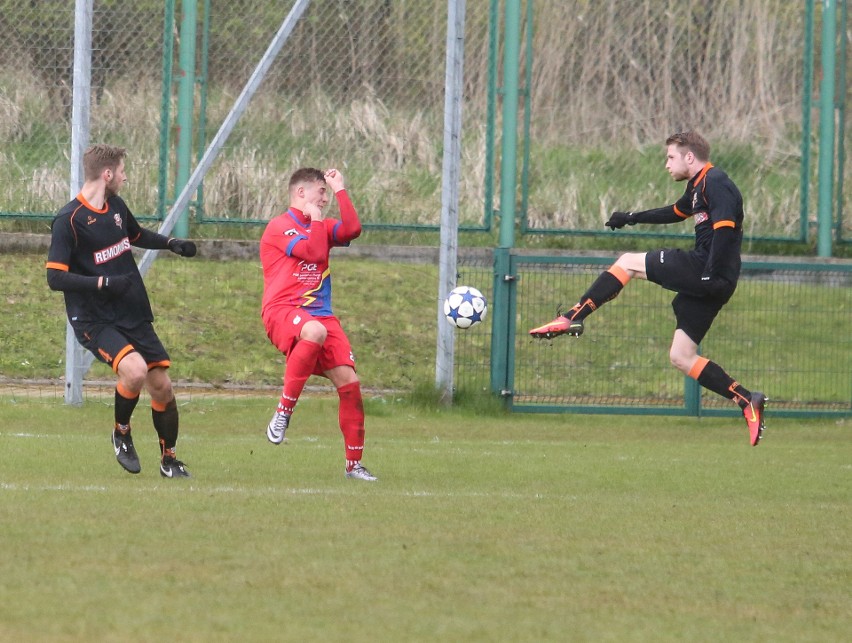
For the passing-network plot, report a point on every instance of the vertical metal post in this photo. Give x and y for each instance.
(76, 364)
(491, 112)
(453, 87)
(807, 106)
(503, 281)
(186, 106)
(841, 118)
(165, 105)
(826, 129)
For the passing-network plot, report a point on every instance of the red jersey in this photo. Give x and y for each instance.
(294, 254)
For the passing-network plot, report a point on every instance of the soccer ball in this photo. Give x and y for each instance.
(465, 307)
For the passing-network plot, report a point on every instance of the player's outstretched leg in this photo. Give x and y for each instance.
(605, 288)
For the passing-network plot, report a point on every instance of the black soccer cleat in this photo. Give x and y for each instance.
(125, 452)
(170, 467)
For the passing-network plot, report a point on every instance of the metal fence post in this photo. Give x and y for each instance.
(76, 364)
(453, 84)
(500, 339)
(186, 107)
(826, 128)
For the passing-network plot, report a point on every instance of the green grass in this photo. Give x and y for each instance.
(482, 527)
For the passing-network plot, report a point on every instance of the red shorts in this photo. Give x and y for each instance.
(284, 326)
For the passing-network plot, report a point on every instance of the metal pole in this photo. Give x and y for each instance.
(503, 283)
(509, 146)
(76, 364)
(807, 107)
(227, 127)
(841, 119)
(186, 106)
(826, 129)
(450, 193)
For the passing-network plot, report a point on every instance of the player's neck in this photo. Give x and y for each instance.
(95, 194)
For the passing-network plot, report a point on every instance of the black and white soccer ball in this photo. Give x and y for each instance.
(465, 307)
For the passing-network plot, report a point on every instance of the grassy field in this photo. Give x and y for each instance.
(482, 527)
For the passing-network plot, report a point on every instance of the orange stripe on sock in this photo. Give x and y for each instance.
(125, 392)
(158, 407)
(619, 273)
(696, 369)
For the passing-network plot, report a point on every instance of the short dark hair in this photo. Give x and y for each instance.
(693, 141)
(306, 175)
(101, 157)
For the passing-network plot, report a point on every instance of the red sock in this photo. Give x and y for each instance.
(300, 366)
(351, 417)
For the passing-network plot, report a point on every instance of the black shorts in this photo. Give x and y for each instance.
(681, 271)
(111, 344)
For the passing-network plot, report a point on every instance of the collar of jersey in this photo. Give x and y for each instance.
(299, 217)
(700, 176)
(103, 210)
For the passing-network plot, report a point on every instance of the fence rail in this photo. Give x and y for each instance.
(787, 331)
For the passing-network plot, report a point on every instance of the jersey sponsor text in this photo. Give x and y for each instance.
(115, 250)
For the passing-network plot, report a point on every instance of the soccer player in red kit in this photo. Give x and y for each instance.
(296, 310)
(107, 304)
(704, 278)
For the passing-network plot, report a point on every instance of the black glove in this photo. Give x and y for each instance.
(183, 247)
(621, 219)
(116, 285)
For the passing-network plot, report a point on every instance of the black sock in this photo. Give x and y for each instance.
(166, 424)
(124, 408)
(714, 378)
(605, 288)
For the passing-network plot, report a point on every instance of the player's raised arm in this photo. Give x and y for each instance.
(349, 227)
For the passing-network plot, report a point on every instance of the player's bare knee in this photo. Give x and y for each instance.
(131, 371)
(313, 331)
(680, 361)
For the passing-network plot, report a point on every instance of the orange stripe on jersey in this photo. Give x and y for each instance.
(56, 266)
(679, 213)
(724, 224)
(702, 174)
(103, 210)
(121, 355)
(619, 273)
(698, 367)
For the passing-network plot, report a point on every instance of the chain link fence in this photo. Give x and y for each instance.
(359, 85)
(611, 81)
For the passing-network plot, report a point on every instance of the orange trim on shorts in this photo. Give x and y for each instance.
(724, 224)
(121, 355)
(164, 364)
(157, 406)
(698, 367)
(619, 273)
(124, 392)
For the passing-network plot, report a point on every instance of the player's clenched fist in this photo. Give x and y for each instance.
(334, 179)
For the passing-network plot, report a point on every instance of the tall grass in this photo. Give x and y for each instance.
(609, 82)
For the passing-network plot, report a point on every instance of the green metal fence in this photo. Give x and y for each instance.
(787, 331)
(360, 85)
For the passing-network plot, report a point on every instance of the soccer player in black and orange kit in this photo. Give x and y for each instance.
(107, 304)
(296, 309)
(704, 277)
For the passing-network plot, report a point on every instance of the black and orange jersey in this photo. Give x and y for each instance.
(96, 243)
(716, 207)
